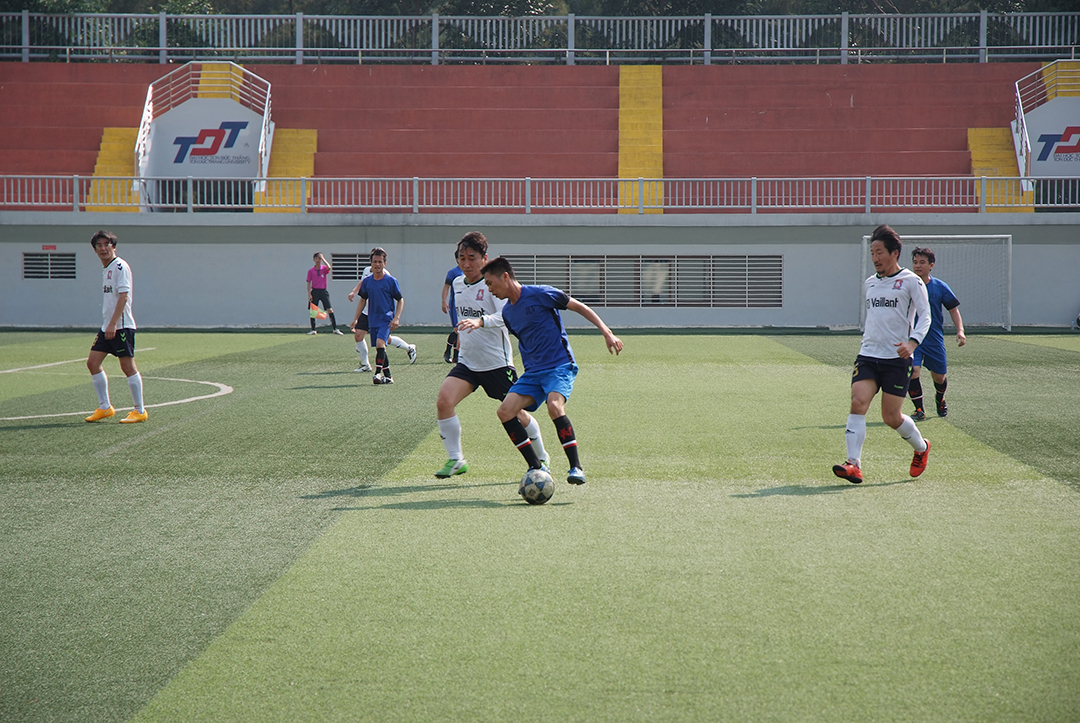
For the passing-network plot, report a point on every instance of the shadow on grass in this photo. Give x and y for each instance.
(372, 490)
(447, 505)
(835, 426)
(807, 490)
(330, 386)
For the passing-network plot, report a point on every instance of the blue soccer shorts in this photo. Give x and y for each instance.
(379, 332)
(931, 356)
(541, 383)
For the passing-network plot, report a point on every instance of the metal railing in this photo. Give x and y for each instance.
(1036, 89)
(964, 194)
(567, 39)
(193, 79)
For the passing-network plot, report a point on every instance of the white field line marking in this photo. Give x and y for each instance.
(222, 390)
(53, 364)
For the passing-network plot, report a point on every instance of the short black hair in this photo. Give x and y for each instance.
(473, 240)
(498, 266)
(924, 251)
(107, 235)
(377, 251)
(890, 238)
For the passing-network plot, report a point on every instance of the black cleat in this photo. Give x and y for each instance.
(918, 415)
(942, 409)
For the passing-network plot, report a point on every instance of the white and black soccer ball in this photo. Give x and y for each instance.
(536, 487)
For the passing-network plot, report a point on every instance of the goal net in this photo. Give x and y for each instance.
(977, 268)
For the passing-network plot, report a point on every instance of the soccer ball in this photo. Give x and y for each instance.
(536, 487)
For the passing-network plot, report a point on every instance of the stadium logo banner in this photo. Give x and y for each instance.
(1054, 132)
(205, 138)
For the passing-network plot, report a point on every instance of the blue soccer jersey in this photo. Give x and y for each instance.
(381, 295)
(450, 276)
(940, 295)
(534, 319)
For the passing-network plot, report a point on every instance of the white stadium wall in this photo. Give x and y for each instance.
(239, 270)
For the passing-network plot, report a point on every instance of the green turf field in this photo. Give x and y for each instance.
(282, 552)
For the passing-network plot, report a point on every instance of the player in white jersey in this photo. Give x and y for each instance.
(117, 334)
(360, 330)
(894, 296)
(485, 357)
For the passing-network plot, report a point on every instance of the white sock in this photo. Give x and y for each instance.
(855, 435)
(101, 386)
(135, 385)
(361, 349)
(911, 434)
(450, 431)
(399, 342)
(533, 430)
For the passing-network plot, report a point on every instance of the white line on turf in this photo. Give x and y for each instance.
(53, 364)
(222, 390)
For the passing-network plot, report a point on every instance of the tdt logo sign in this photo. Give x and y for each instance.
(209, 142)
(1064, 146)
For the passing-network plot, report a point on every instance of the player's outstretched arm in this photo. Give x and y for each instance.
(614, 343)
(961, 339)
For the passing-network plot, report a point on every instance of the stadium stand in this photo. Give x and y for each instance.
(550, 121)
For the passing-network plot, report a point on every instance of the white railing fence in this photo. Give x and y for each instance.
(566, 39)
(186, 82)
(1035, 89)
(963, 194)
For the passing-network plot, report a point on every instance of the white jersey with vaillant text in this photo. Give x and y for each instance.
(892, 303)
(489, 346)
(115, 280)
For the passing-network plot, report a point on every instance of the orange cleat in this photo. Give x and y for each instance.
(848, 471)
(918, 462)
(100, 414)
(134, 417)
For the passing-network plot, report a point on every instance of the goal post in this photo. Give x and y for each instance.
(977, 268)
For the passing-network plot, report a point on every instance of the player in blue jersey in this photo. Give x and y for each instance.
(531, 313)
(450, 356)
(381, 296)
(931, 353)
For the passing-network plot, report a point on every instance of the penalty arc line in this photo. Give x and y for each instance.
(53, 364)
(222, 390)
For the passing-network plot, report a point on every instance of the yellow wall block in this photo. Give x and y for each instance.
(116, 157)
(292, 155)
(641, 136)
(993, 156)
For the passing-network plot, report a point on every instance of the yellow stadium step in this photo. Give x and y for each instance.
(292, 155)
(116, 158)
(220, 80)
(993, 156)
(641, 136)
(1061, 78)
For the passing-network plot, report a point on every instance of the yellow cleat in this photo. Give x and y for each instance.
(100, 414)
(134, 416)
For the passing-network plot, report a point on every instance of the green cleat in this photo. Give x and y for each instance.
(453, 467)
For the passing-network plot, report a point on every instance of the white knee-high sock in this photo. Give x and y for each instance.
(911, 434)
(101, 386)
(361, 349)
(135, 385)
(855, 435)
(450, 431)
(533, 430)
(398, 342)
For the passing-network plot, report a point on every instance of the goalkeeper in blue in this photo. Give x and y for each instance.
(895, 298)
(531, 313)
(931, 353)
